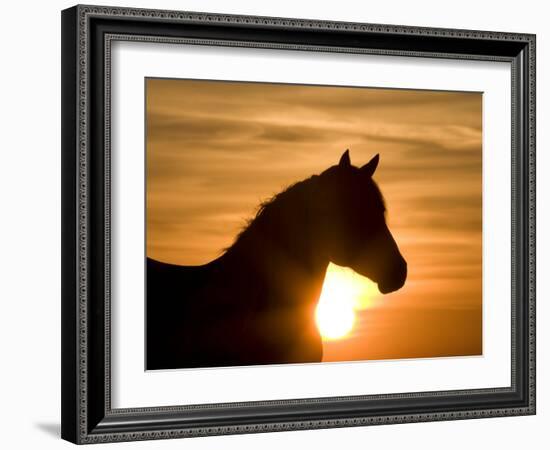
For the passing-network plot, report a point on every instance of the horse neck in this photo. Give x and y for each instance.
(282, 240)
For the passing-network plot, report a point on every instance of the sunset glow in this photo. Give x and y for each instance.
(344, 292)
(217, 149)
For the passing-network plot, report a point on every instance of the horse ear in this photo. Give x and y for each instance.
(345, 160)
(369, 168)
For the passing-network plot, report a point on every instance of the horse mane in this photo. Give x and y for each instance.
(265, 210)
(284, 199)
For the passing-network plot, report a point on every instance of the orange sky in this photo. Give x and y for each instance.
(215, 150)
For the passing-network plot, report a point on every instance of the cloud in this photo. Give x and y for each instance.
(215, 150)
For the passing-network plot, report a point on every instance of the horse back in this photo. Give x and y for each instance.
(171, 294)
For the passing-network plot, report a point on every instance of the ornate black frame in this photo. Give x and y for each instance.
(87, 416)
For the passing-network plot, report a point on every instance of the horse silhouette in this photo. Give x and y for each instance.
(255, 304)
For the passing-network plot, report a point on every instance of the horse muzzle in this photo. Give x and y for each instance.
(395, 280)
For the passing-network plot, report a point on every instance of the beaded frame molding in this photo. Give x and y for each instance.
(87, 34)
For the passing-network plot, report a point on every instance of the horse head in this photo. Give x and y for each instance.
(351, 224)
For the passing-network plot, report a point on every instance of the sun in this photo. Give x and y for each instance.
(344, 292)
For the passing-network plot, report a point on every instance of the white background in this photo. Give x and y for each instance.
(30, 225)
(132, 387)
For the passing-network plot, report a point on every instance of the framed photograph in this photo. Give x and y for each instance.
(278, 224)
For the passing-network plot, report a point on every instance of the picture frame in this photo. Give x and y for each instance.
(88, 33)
